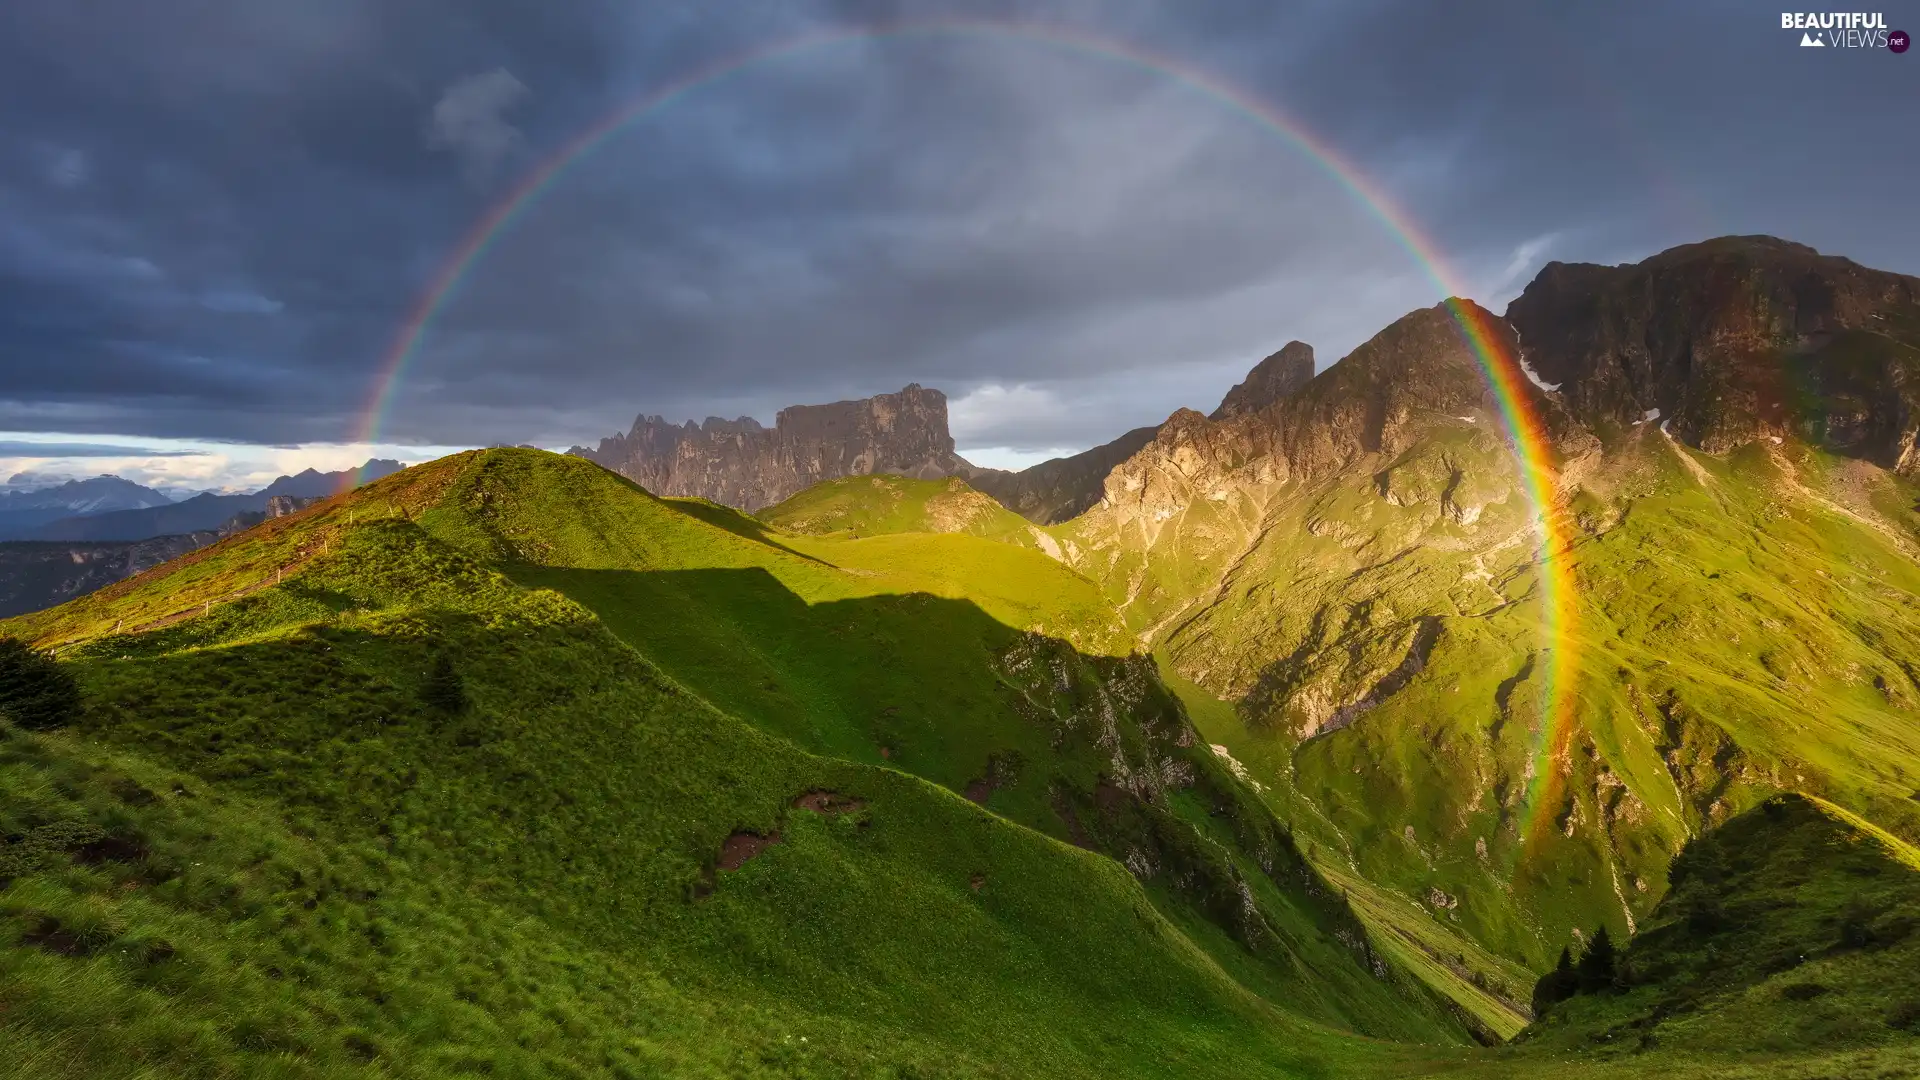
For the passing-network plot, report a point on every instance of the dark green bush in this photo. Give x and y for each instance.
(1557, 985)
(444, 692)
(1597, 964)
(36, 693)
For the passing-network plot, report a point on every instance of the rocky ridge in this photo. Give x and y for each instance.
(39, 574)
(1733, 340)
(743, 464)
(1270, 380)
(1356, 567)
(1062, 488)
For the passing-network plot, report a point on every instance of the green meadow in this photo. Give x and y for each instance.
(501, 766)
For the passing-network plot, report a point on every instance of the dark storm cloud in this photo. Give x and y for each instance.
(14, 448)
(214, 218)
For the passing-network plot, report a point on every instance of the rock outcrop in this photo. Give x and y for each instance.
(1062, 488)
(277, 506)
(1372, 405)
(1732, 340)
(1270, 380)
(744, 464)
(38, 574)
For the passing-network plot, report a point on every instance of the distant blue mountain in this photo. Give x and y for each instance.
(22, 512)
(202, 512)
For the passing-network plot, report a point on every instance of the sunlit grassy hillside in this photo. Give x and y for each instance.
(1795, 926)
(870, 505)
(697, 804)
(1745, 625)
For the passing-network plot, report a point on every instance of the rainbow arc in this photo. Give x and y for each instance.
(1525, 427)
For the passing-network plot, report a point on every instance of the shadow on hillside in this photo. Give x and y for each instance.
(1094, 751)
(738, 522)
(345, 726)
(928, 683)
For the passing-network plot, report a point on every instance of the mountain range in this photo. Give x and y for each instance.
(23, 511)
(1292, 739)
(123, 529)
(203, 512)
(742, 464)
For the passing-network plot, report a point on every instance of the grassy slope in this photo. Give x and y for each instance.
(985, 668)
(262, 854)
(1493, 990)
(1794, 926)
(1739, 634)
(1420, 941)
(870, 505)
(1429, 939)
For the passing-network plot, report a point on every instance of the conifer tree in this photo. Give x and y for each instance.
(444, 691)
(35, 691)
(1557, 985)
(1596, 965)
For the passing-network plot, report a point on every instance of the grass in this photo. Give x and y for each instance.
(1746, 625)
(871, 505)
(1794, 926)
(264, 853)
(1491, 991)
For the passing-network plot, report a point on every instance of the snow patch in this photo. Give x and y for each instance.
(1468, 419)
(1777, 440)
(1534, 377)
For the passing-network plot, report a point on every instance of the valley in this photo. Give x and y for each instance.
(1302, 746)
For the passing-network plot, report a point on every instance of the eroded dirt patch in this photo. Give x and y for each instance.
(55, 938)
(1110, 797)
(111, 848)
(1001, 769)
(976, 882)
(828, 802)
(742, 846)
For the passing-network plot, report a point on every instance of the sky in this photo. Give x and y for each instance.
(218, 219)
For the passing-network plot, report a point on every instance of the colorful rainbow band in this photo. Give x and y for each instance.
(1511, 392)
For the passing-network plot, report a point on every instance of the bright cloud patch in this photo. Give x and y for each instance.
(180, 465)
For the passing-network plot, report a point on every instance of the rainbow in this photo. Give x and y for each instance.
(1523, 423)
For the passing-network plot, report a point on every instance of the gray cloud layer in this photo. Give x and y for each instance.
(17, 448)
(469, 120)
(215, 219)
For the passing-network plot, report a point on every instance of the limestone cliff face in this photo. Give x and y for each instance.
(744, 464)
(1270, 380)
(277, 506)
(1363, 411)
(1733, 340)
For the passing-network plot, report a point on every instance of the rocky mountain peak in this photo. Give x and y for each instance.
(1732, 340)
(1371, 406)
(745, 464)
(1270, 380)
